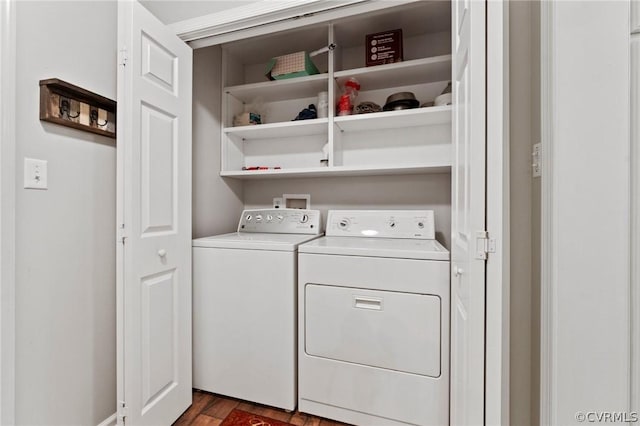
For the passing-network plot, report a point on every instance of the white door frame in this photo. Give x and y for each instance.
(498, 220)
(249, 21)
(547, 101)
(555, 406)
(635, 211)
(7, 209)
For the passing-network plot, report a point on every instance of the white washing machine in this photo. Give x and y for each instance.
(244, 306)
(373, 320)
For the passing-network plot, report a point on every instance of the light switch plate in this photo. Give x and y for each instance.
(277, 203)
(35, 174)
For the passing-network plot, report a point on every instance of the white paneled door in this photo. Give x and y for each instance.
(154, 213)
(468, 213)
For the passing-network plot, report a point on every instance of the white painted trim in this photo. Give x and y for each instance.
(498, 222)
(110, 421)
(123, 152)
(548, 220)
(270, 16)
(635, 16)
(635, 219)
(7, 209)
(242, 17)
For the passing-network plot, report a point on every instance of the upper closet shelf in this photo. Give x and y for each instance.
(416, 71)
(279, 90)
(430, 167)
(394, 119)
(285, 129)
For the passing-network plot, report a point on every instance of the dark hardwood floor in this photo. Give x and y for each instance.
(210, 410)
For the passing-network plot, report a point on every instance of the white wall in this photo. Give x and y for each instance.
(217, 202)
(524, 70)
(535, 218)
(586, 228)
(65, 254)
(7, 212)
(521, 64)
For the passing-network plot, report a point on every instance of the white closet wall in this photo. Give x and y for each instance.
(217, 202)
(368, 192)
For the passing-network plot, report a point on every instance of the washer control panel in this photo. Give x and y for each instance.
(415, 224)
(280, 221)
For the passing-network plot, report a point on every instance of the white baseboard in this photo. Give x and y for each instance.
(110, 421)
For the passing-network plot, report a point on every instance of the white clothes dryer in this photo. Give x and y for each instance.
(373, 320)
(244, 306)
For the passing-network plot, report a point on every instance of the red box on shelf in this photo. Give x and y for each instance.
(383, 48)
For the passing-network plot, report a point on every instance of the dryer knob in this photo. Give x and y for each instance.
(258, 218)
(280, 217)
(343, 224)
(269, 218)
(248, 218)
(304, 218)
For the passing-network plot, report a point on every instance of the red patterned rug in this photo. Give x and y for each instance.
(242, 418)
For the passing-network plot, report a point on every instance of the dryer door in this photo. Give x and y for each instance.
(385, 329)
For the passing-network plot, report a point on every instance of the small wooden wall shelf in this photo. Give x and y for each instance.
(72, 106)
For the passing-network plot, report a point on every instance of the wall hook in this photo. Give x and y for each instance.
(94, 118)
(72, 106)
(65, 108)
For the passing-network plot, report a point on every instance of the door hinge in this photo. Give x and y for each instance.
(484, 245)
(536, 160)
(123, 57)
(122, 412)
(122, 238)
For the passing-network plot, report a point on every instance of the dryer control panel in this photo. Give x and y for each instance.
(281, 221)
(415, 224)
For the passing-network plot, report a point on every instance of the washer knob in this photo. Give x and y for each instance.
(249, 217)
(304, 218)
(258, 218)
(269, 218)
(280, 217)
(420, 225)
(343, 224)
(392, 223)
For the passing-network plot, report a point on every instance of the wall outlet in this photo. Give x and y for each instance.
(35, 174)
(536, 163)
(277, 203)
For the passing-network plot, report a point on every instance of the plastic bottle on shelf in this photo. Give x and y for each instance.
(348, 97)
(323, 105)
